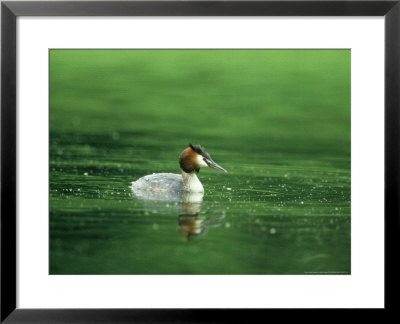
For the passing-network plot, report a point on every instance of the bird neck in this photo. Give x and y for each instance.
(191, 182)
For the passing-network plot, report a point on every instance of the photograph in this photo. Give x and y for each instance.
(199, 161)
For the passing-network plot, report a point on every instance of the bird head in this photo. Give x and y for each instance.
(195, 157)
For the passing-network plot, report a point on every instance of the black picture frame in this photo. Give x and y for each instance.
(10, 10)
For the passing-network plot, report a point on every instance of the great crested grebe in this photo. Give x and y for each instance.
(191, 160)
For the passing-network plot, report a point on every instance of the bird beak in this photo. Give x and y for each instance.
(215, 166)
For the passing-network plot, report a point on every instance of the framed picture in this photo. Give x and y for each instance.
(243, 153)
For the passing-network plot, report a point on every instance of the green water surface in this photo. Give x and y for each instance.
(277, 120)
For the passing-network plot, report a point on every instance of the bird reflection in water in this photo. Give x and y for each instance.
(190, 222)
